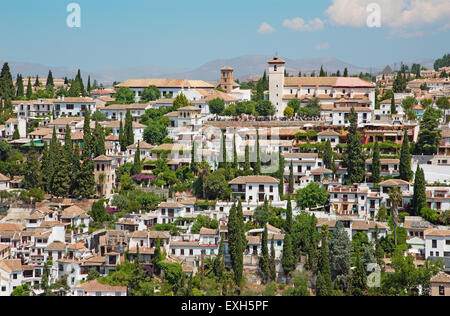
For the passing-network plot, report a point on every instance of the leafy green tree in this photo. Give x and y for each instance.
(294, 104)
(216, 186)
(98, 212)
(155, 133)
(216, 106)
(311, 196)
(405, 159)
(180, 102)
(288, 112)
(443, 103)
(124, 95)
(21, 290)
(340, 253)
(429, 134)
(265, 108)
(151, 93)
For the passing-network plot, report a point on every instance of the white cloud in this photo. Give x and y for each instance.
(322, 46)
(298, 24)
(266, 28)
(401, 16)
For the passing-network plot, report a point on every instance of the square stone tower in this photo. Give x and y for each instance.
(276, 84)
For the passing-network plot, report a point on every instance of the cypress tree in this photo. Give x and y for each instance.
(88, 88)
(358, 283)
(281, 166)
(29, 89)
(393, 107)
(85, 179)
(291, 178)
(419, 197)
(79, 79)
(257, 169)
(272, 265)
(405, 159)
(288, 261)
(136, 169)
(324, 284)
(264, 258)
(129, 135)
(16, 134)
(288, 224)
(75, 166)
(376, 165)
(327, 155)
(235, 244)
(87, 136)
(36, 82)
(157, 257)
(235, 157)
(50, 80)
(7, 89)
(322, 72)
(60, 186)
(219, 262)
(20, 89)
(99, 140)
(223, 152)
(247, 167)
(340, 252)
(46, 170)
(122, 140)
(32, 177)
(346, 72)
(354, 155)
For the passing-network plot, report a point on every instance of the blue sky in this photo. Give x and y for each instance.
(186, 34)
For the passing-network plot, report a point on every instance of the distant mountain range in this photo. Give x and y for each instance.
(244, 67)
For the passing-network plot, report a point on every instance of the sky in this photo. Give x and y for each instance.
(186, 34)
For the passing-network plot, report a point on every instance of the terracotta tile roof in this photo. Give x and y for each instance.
(72, 212)
(165, 83)
(11, 265)
(441, 277)
(96, 286)
(56, 246)
(254, 179)
(208, 231)
(253, 240)
(393, 183)
(437, 232)
(170, 205)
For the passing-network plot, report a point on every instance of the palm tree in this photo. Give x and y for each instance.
(396, 198)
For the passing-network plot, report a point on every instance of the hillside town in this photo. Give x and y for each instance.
(326, 184)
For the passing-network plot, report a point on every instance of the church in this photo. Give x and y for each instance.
(329, 90)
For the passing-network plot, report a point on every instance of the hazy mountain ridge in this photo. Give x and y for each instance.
(244, 66)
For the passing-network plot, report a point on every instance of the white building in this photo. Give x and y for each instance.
(256, 188)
